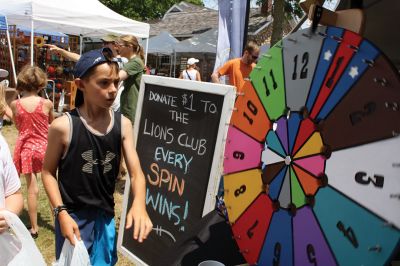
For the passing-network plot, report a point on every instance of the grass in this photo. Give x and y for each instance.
(45, 241)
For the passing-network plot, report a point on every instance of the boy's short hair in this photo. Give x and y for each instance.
(91, 59)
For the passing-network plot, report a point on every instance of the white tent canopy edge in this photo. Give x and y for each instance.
(86, 18)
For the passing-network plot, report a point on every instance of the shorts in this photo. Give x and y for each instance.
(98, 232)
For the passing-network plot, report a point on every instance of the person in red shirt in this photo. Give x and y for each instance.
(238, 69)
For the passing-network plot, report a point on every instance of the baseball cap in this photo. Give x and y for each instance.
(91, 59)
(110, 38)
(3, 73)
(192, 61)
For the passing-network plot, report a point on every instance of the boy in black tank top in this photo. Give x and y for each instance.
(85, 146)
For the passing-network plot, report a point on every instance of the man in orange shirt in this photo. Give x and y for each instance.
(239, 69)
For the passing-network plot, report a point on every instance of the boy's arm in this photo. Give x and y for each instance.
(57, 142)
(137, 214)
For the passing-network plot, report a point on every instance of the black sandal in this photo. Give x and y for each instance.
(34, 235)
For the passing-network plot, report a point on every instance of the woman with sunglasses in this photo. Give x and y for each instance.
(131, 74)
(239, 69)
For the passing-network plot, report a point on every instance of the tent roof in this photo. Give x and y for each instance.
(162, 43)
(202, 43)
(89, 18)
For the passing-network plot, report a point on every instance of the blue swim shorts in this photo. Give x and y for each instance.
(98, 232)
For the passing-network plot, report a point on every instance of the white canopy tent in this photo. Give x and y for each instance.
(86, 18)
(205, 42)
(163, 43)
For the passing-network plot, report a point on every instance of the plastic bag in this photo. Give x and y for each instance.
(17, 245)
(73, 255)
(61, 102)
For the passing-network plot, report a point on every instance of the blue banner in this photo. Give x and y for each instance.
(3, 23)
(231, 23)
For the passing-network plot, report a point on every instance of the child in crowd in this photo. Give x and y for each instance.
(10, 192)
(32, 115)
(5, 110)
(85, 147)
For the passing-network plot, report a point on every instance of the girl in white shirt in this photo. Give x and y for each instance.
(191, 72)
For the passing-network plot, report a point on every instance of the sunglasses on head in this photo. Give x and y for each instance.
(108, 55)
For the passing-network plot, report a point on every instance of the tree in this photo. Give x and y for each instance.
(143, 10)
(282, 12)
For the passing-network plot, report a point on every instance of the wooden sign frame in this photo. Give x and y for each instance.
(229, 94)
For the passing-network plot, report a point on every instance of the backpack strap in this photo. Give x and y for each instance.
(187, 73)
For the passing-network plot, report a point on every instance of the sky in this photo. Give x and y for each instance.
(214, 3)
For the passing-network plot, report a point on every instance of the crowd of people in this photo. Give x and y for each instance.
(79, 155)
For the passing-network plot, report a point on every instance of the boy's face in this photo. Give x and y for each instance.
(100, 88)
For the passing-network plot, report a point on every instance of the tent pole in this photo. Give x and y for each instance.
(174, 63)
(170, 65)
(32, 32)
(145, 54)
(80, 44)
(11, 54)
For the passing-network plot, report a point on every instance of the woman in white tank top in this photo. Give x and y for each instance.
(191, 73)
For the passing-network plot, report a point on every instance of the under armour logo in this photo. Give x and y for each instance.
(88, 157)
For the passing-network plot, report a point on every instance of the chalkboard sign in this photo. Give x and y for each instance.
(179, 129)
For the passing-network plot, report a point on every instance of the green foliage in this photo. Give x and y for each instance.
(144, 10)
(292, 8)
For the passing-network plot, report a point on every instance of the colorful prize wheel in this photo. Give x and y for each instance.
(312, 160)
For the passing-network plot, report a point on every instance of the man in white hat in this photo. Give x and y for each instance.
(191, 72)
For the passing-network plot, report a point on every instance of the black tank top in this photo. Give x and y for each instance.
(88, 172)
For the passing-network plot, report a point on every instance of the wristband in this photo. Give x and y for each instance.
(58, 209)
